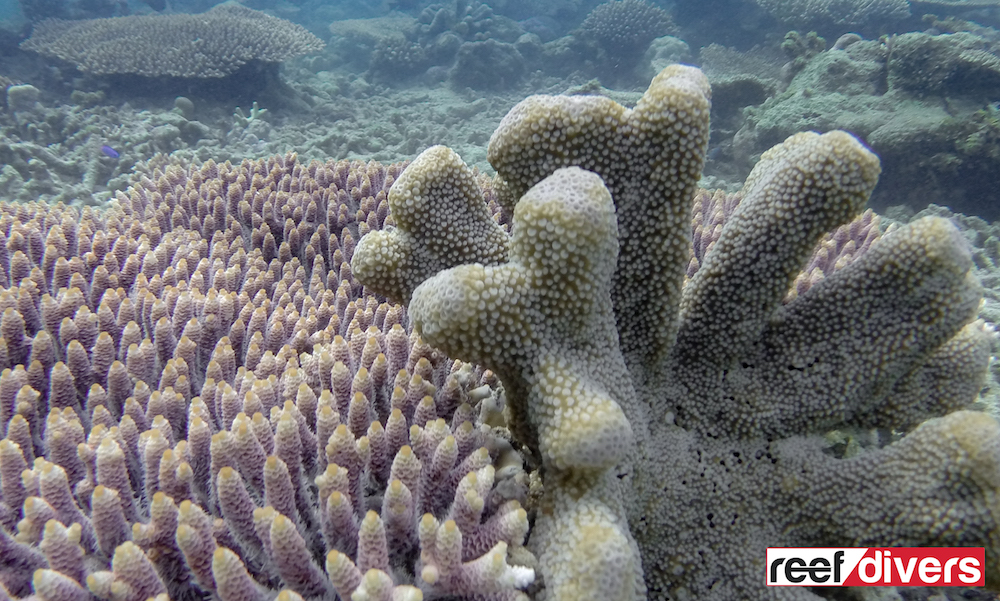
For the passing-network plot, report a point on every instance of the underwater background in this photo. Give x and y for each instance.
(100, 95)
(917, 81)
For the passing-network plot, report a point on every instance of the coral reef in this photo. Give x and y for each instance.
(39, 10)
(663, 52)
(469, 20)
(357, 42)
(489, 65)
(397, 57)
(22, 96)
(740, 79)
(212, 44)
(678, 426)
(197, 398)
(475, 45)
(800, 49)
(5, 84)
(52, 153)
(949, 63)
(465, 35)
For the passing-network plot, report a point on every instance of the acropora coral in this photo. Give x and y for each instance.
(679, 425)
(198, 399)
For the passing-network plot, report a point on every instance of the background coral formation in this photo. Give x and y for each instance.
(914, 98)
(626, 27)
(197, 397)
(212, 44)
(856, 13)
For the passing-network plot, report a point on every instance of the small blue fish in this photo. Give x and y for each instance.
(111, 152)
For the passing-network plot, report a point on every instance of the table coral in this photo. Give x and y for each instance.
(212, 44)
(678, 426)
(198, 399)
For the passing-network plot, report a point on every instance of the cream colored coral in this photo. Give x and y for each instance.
(544, 321)
(584, 542)
(650, 157)
(724, 414)
(545, 318)
(442, 222)
(809, 184)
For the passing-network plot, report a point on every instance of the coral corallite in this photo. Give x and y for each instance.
(680, 423)
(199, 401)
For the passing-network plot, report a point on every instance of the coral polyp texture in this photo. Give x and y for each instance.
(212, 44)
(836, 249)
(679, 424)
(198, 400)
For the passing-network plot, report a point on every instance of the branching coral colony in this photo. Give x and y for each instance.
(199, 401)
(677, 425)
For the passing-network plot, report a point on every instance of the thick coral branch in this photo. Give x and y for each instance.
(800, 189)
(870, 325)
(441, 221)
(544, 322)
(938, 486)
(650, 158)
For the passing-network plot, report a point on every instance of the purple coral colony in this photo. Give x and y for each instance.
(582, 378)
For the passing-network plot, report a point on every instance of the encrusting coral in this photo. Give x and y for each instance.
(198, 399)
(677, 426)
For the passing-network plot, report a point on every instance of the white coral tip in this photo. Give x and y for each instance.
(430, 574)
(519, 577)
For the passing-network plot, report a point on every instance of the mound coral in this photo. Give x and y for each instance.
(626, 27)
(678, 426)
(212, 44)
(197, 398)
